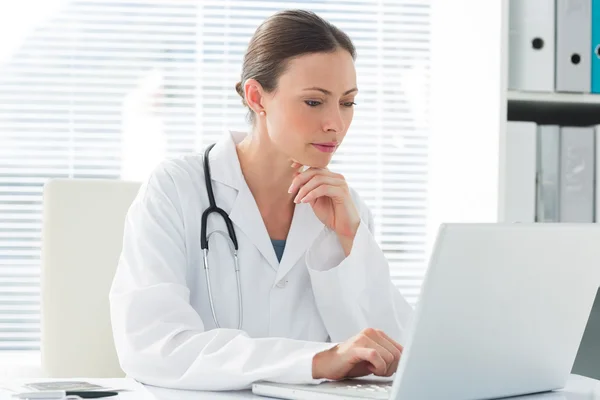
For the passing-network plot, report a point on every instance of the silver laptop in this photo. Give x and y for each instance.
(502, 311)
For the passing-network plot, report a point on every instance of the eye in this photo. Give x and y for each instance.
(349, 104)
(312, 103)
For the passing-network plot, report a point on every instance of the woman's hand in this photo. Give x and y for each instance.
(330, 199)
(370, 352)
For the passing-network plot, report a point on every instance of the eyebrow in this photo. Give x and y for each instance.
(327, 92)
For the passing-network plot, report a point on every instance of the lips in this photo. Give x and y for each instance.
(325, 147)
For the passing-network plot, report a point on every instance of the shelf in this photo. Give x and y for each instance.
(554, 98)
(569, 109)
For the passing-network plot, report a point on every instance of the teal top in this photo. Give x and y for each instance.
(279, 246)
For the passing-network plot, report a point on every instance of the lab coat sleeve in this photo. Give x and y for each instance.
(160, 339)
(356, 292)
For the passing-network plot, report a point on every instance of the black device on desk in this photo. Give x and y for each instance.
(85, 390)
(91, 394)
(587, 361)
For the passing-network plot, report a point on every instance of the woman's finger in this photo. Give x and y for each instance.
(387, 355)
(303, 177)
(390, 340)
(315, 182)
(335, 192)
(390, 344)
(391, 349)
(379, 367)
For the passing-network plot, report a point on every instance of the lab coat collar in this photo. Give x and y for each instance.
(224, 164)
(225, 168)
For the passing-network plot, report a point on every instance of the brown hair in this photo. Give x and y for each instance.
(284, 35)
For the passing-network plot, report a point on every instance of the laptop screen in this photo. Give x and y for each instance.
(587, 362)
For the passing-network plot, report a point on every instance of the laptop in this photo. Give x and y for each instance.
(587, 362)
(501, 313)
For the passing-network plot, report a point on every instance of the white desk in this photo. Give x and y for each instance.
(578, 388)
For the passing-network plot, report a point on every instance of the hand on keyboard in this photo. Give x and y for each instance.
(370, 352)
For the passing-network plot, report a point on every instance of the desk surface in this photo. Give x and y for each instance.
(578, 388)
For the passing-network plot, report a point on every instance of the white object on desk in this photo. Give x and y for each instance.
(489, 322)
(577, 388)
(45, 388)
(49, 395)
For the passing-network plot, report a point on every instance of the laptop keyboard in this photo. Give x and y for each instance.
(384, 387)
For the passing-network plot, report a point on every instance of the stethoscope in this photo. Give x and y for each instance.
(231, 239)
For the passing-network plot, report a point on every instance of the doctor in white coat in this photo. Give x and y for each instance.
(317, 299)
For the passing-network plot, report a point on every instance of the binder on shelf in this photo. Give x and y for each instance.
(531, 45)
(577, 163)
(519, 172)
(548, 173)
(573, 42)
(595, 54)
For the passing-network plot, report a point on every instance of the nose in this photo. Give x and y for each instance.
(334, 122)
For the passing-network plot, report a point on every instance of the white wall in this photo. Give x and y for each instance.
(468, 110)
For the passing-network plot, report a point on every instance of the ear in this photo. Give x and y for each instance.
(254, 95)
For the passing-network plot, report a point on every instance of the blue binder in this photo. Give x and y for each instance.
(595, 46)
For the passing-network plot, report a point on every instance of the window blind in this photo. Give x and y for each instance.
(107, 88)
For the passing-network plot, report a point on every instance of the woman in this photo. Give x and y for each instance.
(317, 299)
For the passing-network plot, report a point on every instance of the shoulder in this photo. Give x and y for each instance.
(174, 178)
(179, 168)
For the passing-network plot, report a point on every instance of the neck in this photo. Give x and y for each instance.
(267, 171)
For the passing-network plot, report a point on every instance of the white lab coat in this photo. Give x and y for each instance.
(162, 323)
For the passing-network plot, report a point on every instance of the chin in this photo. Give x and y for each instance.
(319, 162)
(323, 164)
(313, 158)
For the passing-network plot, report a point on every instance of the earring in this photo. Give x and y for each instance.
(262, 113)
